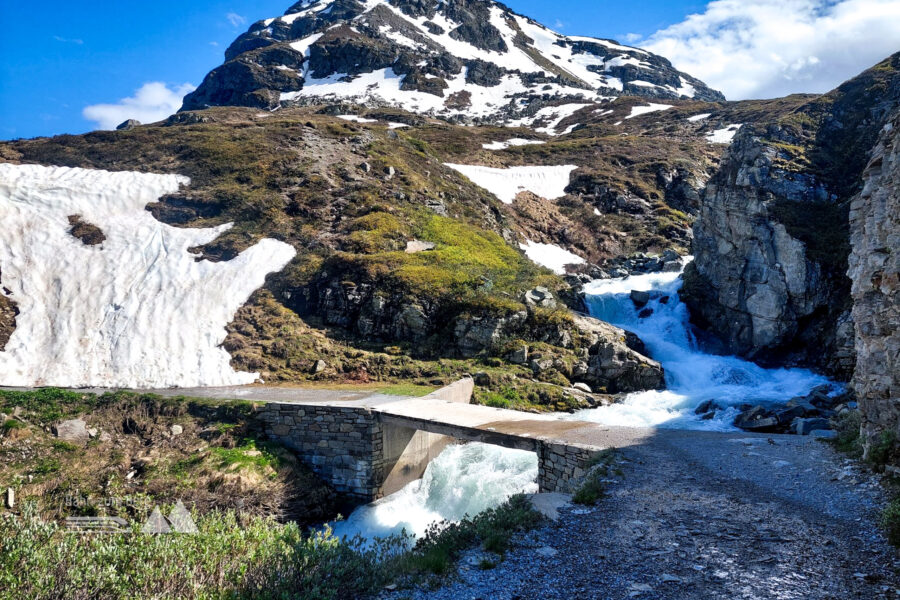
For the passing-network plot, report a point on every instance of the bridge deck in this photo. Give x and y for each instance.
(503, 427)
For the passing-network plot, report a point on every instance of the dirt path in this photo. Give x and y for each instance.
(707, 516)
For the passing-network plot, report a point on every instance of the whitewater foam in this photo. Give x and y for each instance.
(692, 376)
(136, 311)
(463, 480)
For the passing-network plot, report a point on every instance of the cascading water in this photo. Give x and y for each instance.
(692, 376)
(467, 479)
(463, 480)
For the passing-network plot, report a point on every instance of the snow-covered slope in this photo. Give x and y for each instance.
(547, 182)
(138, 309)
(470, 59)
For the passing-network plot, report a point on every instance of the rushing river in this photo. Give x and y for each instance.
(466, 479)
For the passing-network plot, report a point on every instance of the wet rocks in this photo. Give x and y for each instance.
(801, 415)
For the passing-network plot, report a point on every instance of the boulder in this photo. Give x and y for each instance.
(807, 426)
(541, 297)
(128, 125)
(73, 430)
(582, 386)
(757, 419)
(176, 430)
(615, 361)
(639, 298)
(518, 356)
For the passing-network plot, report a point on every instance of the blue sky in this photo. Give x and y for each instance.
(61, 57)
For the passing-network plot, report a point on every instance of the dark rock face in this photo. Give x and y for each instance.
(8, 312)
(289, 60)
(875, 272)
(612, 359)
(771, 241)
(87, 233)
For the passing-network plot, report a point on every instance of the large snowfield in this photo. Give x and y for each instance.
(137, 310)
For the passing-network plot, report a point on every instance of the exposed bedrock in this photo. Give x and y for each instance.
(875, 272)
(772, 240)
(756, 285)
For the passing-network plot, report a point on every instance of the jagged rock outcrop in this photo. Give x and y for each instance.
(771, 241)
(443, 58)
(875, 272)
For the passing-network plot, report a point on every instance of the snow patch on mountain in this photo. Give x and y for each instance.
(547, 182)
(550, 256)
(138, 310)
(724, 135)
(511, 143)
(637, 111)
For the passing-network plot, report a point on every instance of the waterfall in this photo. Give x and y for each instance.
(692, 375)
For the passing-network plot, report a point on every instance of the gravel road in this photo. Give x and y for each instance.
(705, 516)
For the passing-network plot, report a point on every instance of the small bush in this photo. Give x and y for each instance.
(890, 521)
(881, 450)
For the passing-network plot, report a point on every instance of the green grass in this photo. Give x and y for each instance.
(232, 558)
(250, 454)
(406, 389)
(12, 424)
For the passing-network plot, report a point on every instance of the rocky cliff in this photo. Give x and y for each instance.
(771, 241)
(875, 272)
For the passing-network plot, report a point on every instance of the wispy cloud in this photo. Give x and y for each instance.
(235, 19)
(631, 38)
(153, 102)
(68, 40)
(559, 25)
(770, 48)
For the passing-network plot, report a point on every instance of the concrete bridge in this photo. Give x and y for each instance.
(372, 447)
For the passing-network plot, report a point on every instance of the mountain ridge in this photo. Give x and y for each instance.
(474, 61)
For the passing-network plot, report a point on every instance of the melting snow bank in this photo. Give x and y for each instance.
(692, 376)
(724, 135)
(510, 143)
(550, 256)
(135, 311)
(547, 182)
(462, 480)
(637, 111)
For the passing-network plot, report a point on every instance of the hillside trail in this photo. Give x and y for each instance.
(698, 515)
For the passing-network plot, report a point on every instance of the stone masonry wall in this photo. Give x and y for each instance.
(343, 445)
(561, 468)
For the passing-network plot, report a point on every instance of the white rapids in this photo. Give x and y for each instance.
(463, 480)
(692, 376)
(136, 311)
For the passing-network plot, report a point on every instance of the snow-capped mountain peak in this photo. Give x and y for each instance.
(474, 60)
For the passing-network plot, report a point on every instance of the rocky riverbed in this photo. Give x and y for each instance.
(699, 516)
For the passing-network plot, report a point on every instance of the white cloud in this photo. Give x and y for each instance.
(771, 48)
(65, 40)
(235, 19)
(632, 37)
(153, 102)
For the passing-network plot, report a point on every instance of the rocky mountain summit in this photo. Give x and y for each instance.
(471, 60)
